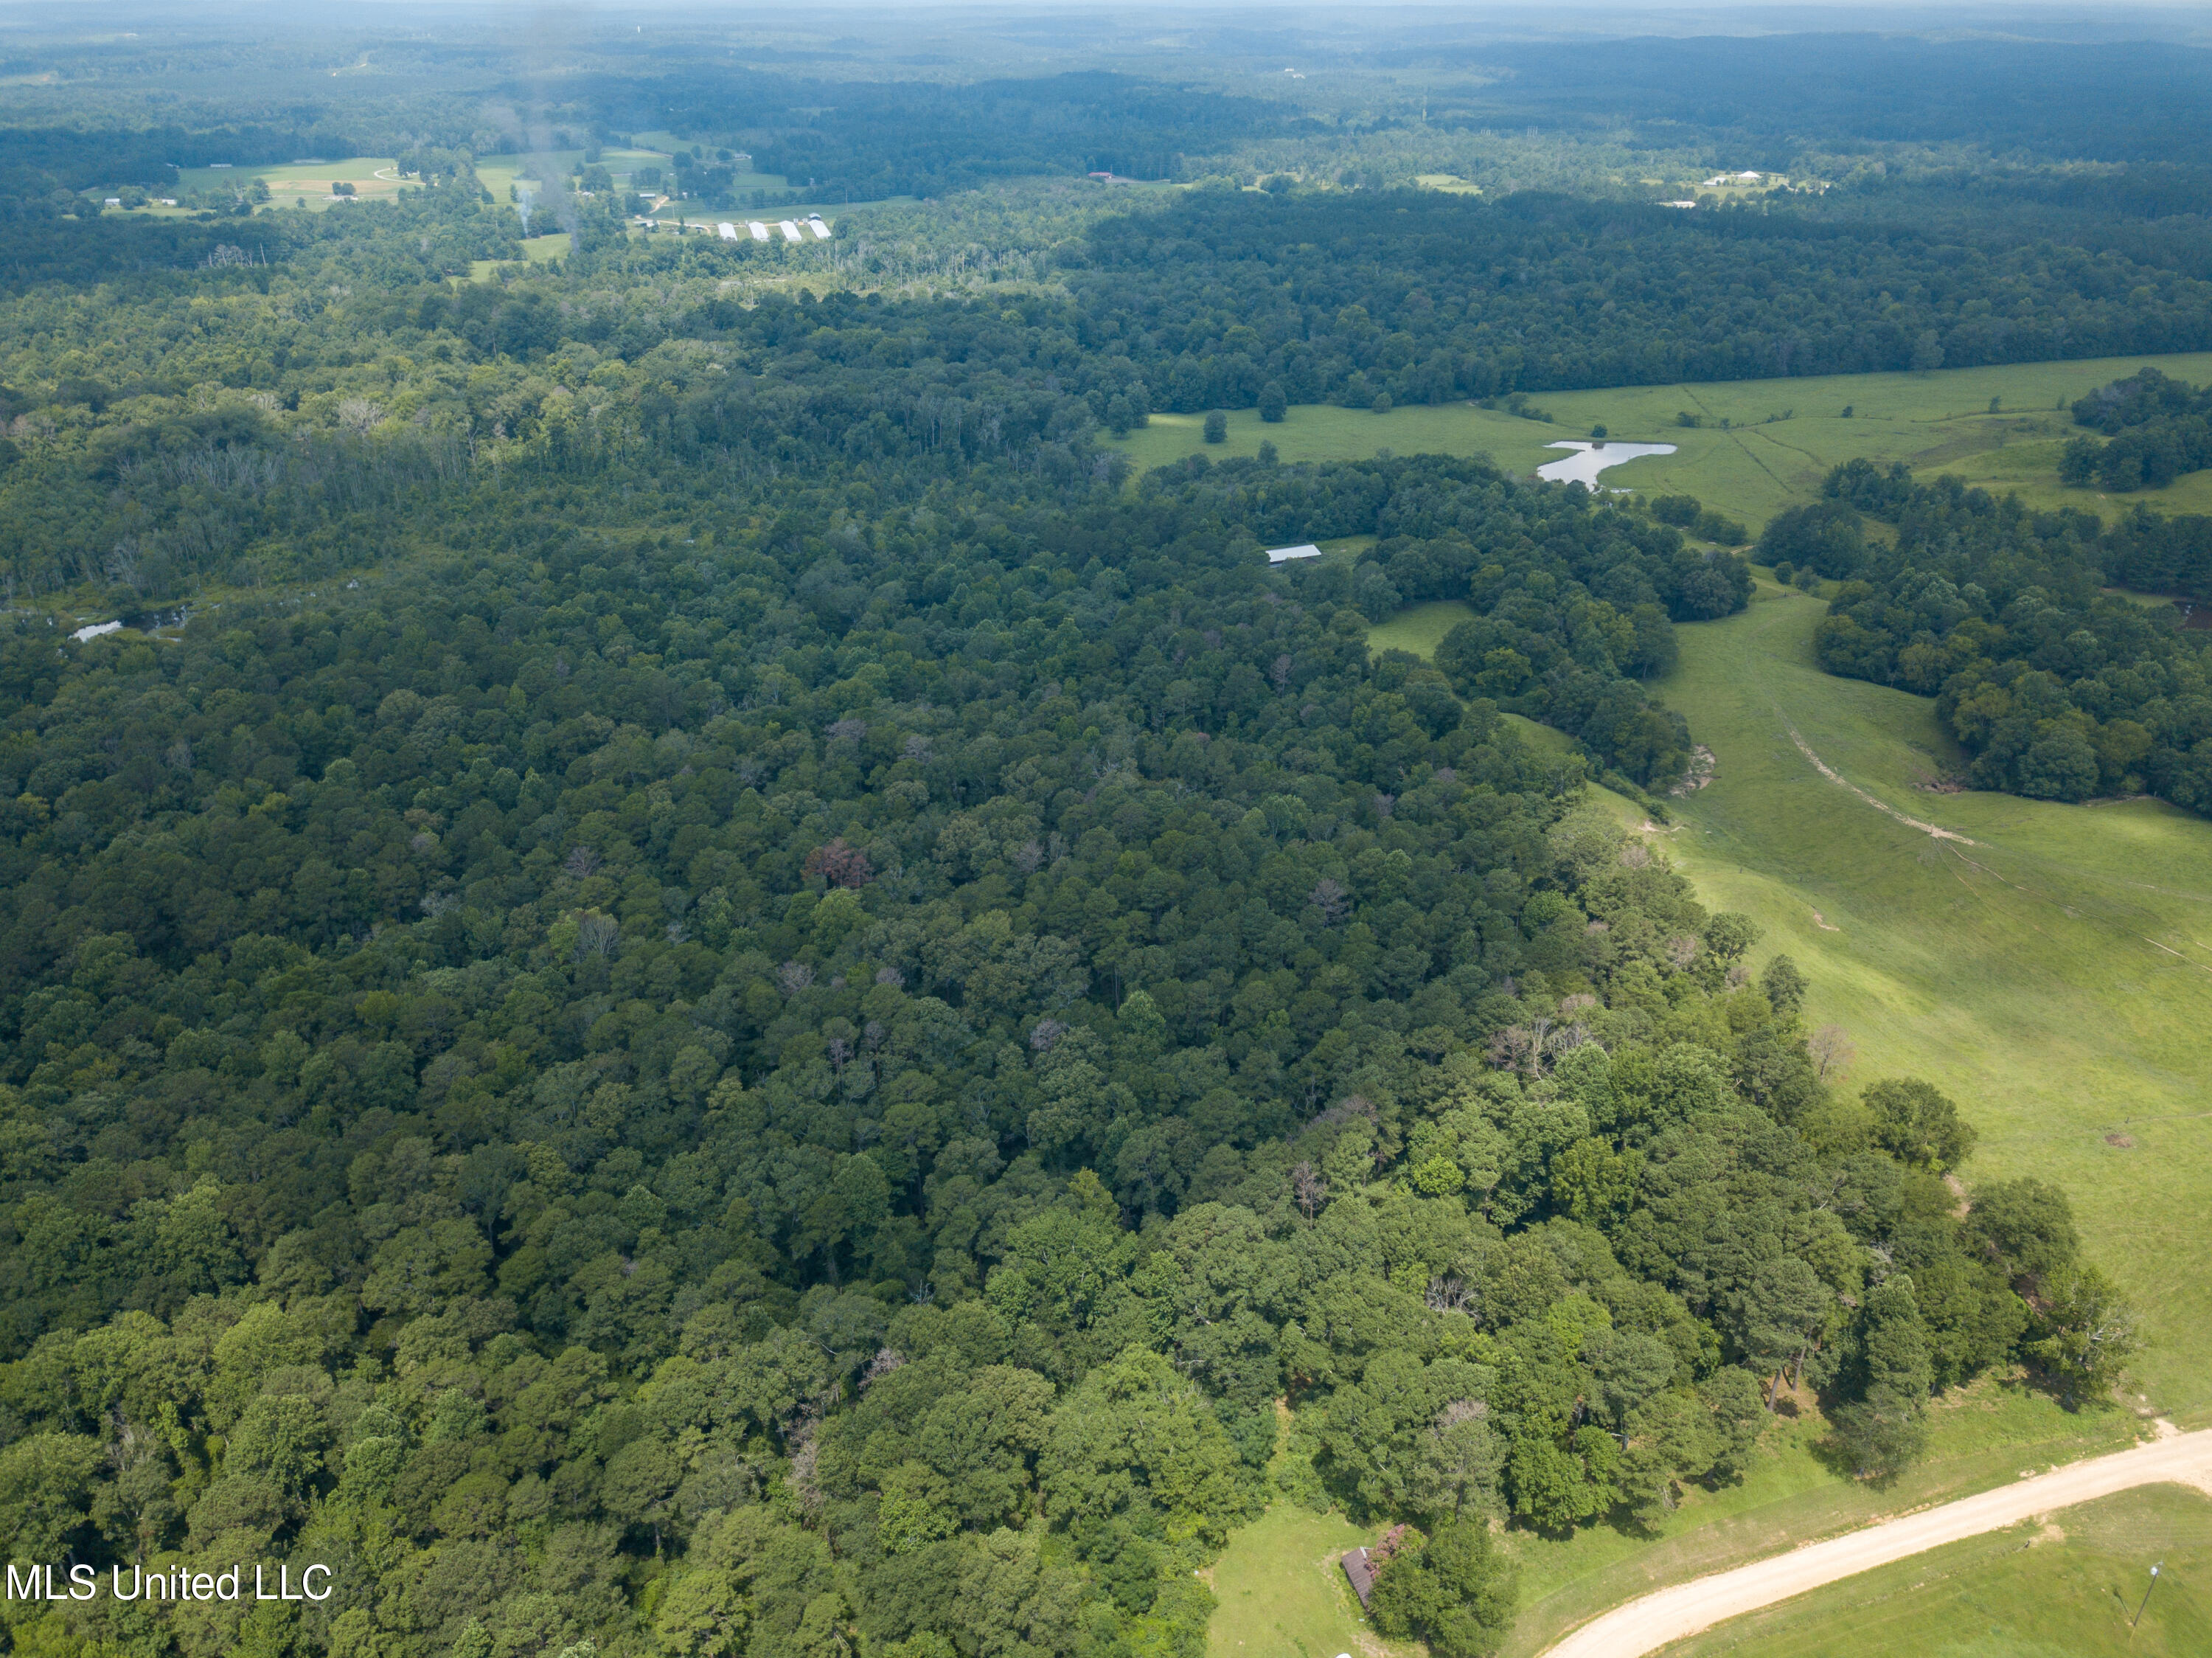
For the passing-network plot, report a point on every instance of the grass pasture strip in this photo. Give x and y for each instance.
(1782, 438)
(2064, 1587)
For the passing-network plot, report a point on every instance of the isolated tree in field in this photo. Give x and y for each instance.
(1785, 986)
(1916, 1124)
(2025, 1227)
(1729, 934)
(2084, 1331)
(1273, 403)
(1831, 1051)
(1217, 427)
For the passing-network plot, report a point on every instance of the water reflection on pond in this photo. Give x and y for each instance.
(1589, 460)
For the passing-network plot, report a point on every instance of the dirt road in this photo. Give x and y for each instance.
(1646, 1625)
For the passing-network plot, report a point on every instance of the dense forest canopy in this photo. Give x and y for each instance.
(2057, 688)
(2158, 427)
(691, 984)
(749, 1067)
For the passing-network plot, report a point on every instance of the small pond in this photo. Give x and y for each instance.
(1589, 460)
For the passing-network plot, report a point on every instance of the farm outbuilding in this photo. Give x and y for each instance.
(1360, 1565)
(790, 230)
(1360, 1572)
(1283, 555)
(759, 230)
(726, 232)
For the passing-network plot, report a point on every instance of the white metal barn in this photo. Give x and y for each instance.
(790, 230)
(726, 232)
(1283, 555)
(759, 230)
(821, 230)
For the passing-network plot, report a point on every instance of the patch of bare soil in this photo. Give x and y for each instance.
(1703, 764)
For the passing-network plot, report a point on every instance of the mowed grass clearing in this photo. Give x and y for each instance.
(373, 177)
(1281, 1594)
(1421, 628)
(2065, 1587)
(1761, 462)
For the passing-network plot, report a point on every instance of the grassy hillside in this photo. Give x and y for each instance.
(2048, 965)
(2064, 1587)
(1761, 461)
(2052, 969)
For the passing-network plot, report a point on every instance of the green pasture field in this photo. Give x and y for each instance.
(374, 178)
(2064, 1587)
(500, 173)
(698, 212)
(2052, 971)
(1937, 423)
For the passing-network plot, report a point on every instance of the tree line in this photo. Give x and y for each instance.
(2057, 688)
(2157, 429)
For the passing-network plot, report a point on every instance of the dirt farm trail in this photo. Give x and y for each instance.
(1652, 1621)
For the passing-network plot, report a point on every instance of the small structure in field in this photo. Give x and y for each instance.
(726, 232)
(821, 230)
(759, 230)
(1360, 1565)
(790, 230)
(1283, 555)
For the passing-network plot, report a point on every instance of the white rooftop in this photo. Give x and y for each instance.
(1283, 555)
(727, 232)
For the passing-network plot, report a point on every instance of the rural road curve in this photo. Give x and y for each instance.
(1649, 1623)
